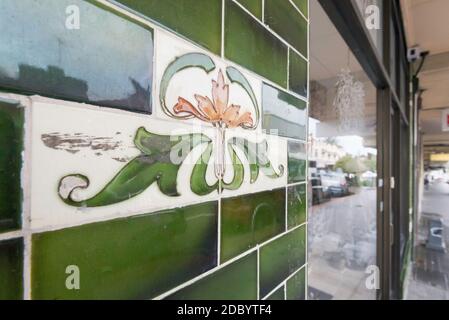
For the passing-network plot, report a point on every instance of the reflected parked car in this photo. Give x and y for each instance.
(336, 184)
(319, 193)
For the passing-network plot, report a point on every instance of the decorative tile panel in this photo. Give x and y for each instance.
(131, 258)
(88, 64)
(11, 147)
(283, 114)
(237, 281)
(249, 220)
(281, 258)
(11, 262)
(160, 147)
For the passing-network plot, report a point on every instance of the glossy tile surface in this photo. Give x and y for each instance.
(11, 265)
(302, 6)
(236, 281)
(283, 114)
(285, 20)
(298, 74)
(249, 44)
(254, 6)
(279, 294)
(94, 63)
(132, 258)
(250, 219)
(296, 205)
(198, 20)
(11, 145)
(296, 286)
(297, 162)
(281, 258)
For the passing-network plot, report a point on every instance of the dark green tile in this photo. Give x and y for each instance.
(298, 74)
(281, 258)
(297, 163)
(296, 286)
(250, 219)
(237, 281)
(296, 205)
(279, 294)
(11, 145)
(108, 61)
(253, 6)
(198, 20)
(248, 43)
(303, 6)
(288, 23)
(283, 113)
(132, 258)
(11, 266)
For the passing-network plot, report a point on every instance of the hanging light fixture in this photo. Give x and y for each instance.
(349, 101)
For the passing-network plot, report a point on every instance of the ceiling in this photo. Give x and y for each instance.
(427, 25)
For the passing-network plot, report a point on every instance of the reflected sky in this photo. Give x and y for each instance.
(106, 52)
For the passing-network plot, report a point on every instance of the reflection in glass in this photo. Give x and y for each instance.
(107, 61)
(342, 168)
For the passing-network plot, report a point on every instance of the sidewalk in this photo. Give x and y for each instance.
(429, 279)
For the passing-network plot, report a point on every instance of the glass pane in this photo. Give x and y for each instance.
(371, 11)
(342, 167)
(43, 51)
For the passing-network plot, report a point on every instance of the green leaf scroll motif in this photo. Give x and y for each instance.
(256, 153)
(155, 164)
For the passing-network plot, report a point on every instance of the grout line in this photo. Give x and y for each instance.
(297, 9)
(258, 272)
(222, 28)
(286, 208)
(270, 30)
(205, 274)
(284, 282)
(263, 11)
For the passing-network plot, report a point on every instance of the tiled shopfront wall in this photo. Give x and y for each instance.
(157, 150)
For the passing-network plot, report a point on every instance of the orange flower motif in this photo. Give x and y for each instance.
(217, 111)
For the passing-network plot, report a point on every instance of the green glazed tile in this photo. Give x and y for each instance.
(248, 43)
(296, 286)
(11, 145)
(281, 258)
(279, 294)
(253, 6)
(288, 23)
(237, 281)
(11, 262)
(250, 219)
(132, 258)
(296, 205)
(303, 6)
(283, 114)
(297, 162)
(298, 74)
(198, 20)
(108, 61)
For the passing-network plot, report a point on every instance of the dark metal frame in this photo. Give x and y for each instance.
(390, 209)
